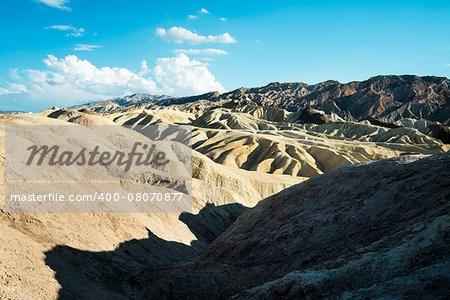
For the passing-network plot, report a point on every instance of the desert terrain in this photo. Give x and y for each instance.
(298, 191)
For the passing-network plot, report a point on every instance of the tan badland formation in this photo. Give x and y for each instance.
(242, 153)
(26, 237)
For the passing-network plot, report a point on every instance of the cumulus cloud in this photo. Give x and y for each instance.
(61, 4)
(201, 51)
(223, 19)
(203, 11)
(83, 47)
(180, 35)
(73, 31)
(70, 80)
(192, 17)
(182, 76)
(83, 75)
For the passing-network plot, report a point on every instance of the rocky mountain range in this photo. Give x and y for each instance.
(387, 97)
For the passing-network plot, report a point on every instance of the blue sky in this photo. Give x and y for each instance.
(63, 52)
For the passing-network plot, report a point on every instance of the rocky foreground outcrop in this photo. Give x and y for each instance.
(367, 230)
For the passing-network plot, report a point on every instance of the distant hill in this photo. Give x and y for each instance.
(9, 111)
(120, 102)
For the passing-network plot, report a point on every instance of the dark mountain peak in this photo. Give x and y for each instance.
(328, 83)
(285, 85)
(408, 79)
(210, 96)
(274, 84)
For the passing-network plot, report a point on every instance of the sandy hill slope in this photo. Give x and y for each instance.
(154, 117)
(244, 141)
(298, 153)
(368, 230)
(24, 238)
(260, 139)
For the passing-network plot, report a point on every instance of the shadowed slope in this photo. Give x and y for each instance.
(100, 275)
(359, 228)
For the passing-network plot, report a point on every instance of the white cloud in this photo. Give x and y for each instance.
(180, 35)
(448, 65)
(144, 68)
(13, 88)
(201, 51)
(192, 17)
(84, 75)
(83, 47)
(223, 19)
(182, 76)
(14, 73)
(203, 11)
(144, 65)
(73, 30)
(61, 4)
(70, 80)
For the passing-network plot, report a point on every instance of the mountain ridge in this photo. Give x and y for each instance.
(391, 97)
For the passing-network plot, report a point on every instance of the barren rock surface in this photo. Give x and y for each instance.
(368, 230)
